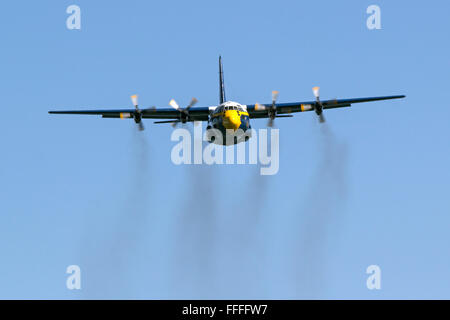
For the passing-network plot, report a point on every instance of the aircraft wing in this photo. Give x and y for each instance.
(261, 111)
(195, 114)
(202, 113)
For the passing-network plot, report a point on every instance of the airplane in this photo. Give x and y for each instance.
(229, 116)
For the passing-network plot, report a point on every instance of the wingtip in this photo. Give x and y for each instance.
(400, 96)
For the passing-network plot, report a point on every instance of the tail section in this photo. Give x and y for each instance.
(221, 84)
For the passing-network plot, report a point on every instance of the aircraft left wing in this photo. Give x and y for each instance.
(261, 111)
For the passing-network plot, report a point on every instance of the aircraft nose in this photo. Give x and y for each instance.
(233, 120)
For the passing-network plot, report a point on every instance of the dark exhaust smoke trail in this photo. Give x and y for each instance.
(247, 247)
(219, 252)
(111, 261)
(255, 193)
(321, 213)
(195, 234)
(244, 249)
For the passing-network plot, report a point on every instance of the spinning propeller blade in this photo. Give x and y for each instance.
(273, 109)
(137, 115)
(184, 113)
(318, 106)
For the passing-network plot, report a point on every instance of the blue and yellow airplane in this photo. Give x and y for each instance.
(228, 117)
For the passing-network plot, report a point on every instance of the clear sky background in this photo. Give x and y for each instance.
(371, 187)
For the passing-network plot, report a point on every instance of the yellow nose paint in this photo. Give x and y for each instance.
(231, 120)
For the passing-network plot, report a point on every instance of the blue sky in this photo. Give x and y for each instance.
(97, 193)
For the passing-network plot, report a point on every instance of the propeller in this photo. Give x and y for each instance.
(273, 109)
(318, 106)
(184, 113)
(138, 114)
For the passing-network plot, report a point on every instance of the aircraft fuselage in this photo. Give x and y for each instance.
(232, 120)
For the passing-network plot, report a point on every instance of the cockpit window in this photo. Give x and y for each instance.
(226, 108)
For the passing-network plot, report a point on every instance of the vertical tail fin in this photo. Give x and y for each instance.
(221, 84)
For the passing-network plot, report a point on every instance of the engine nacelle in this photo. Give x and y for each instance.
(306, 107)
